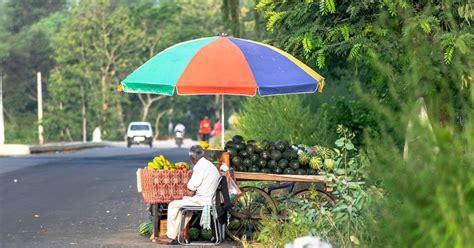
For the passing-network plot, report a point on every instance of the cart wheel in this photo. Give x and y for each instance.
(323, 198)
(247, 213)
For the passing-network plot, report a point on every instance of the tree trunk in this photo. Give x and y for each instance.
(62, 129)
(157, 123)
(84, 118)
(146, 109)
(105, 105)
(69, 135)
(147, 104)
(119, 115)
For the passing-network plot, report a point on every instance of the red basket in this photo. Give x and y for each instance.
(161, 186)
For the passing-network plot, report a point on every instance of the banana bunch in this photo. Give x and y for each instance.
(160, 163)
(204, 144)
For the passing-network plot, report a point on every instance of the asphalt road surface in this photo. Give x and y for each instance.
(83, 199)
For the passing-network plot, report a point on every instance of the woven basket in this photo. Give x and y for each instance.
(160, 186)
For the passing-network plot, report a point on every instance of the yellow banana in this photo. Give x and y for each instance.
(152, 166)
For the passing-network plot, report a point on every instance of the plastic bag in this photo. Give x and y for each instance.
(234, 190)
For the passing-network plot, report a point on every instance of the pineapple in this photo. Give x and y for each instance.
(325, 153)
(329, 164)
(315, 163)
(304, 158)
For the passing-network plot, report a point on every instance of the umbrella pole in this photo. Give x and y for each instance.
(222, 121)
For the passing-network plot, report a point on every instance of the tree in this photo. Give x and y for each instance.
(24, 13)
(25, 30)
(340, 37)
(93, 52)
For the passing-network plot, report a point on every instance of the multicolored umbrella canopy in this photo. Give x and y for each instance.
(223, 65)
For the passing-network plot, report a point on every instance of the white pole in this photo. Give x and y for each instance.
(84, 120)
(222, 121)
(2, 128)
(40, 108)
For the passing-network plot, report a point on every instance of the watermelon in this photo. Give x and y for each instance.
(300, 172)
(294, 154)
(240, 146)
(271, 146)
(258, 147)
(289, 171)
(229, 144)
(278, 170)
(288, 154)
(236, 161)
(262, 163)
(265, 155)
(294, 164)
(272, 164)
(238, 139)
(206, 234)
(275, 155)
(283, 163)
(281, 145)
(254, 168)
(254, 158)
(247, 162)
(194, 233)
(250, 149)
(146, 228)
(243, 154)
(232, 152)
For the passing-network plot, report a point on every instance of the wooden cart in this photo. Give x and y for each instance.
(261, 200)
(258, 200)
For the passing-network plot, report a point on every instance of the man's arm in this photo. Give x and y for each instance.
(195, 180)
(190, 193)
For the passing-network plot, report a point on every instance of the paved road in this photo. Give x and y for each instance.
(82, 199)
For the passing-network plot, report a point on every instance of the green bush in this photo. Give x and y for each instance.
(276, 118)
(430, 191)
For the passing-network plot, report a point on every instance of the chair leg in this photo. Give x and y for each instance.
(216, 228)
(222, 230)
(180, 228)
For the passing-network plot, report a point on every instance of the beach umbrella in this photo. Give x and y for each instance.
(223, 65)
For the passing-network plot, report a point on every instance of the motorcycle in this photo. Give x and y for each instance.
(178, 137)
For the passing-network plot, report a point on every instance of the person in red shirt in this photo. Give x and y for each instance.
(205, 129)
(217, 131)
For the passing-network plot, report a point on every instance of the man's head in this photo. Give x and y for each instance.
(196, 152)
(206, 118)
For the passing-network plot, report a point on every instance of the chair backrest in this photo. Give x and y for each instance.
(218, 189)
(221, 199)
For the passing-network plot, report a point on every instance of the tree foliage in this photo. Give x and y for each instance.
(388, 54)
(25, 28)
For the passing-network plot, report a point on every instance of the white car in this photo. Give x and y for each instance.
(139, 133)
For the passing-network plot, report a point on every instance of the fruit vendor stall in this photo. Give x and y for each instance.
(289, 170)
(224, 65)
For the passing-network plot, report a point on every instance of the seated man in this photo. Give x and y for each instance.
(201, 188)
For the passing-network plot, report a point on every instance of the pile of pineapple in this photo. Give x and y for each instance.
(318, 157)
